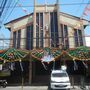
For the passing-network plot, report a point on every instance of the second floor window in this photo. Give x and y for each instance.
(18, 38)
(39, 30)
(78, 37)
(14, 39)
(64, 37)
(29, 37)
(54, 29)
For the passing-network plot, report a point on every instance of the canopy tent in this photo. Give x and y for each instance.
(51, 54)
(13, 54)
(79, 53)
(46, 54)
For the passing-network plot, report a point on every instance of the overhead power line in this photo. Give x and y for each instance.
(75, 4)
(2, 6)
(5, 19)
(78, 9)
(48, 4)
(8, 10)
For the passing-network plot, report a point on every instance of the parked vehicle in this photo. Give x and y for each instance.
(3, 83)
(59, 80)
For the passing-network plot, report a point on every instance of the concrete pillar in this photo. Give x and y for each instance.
(71, 37)
(58, 20)
(34, 25)
(23, 39)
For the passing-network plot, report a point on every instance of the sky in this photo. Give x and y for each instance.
(67, 6)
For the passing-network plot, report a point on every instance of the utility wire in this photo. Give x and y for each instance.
(5, 19)
(2, 7)
(59, 4)
(14, 6)
(2, 10)
(79, 6)
(6, 10)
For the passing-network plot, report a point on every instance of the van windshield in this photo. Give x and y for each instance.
(59, 74)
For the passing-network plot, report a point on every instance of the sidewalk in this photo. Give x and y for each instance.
(78, 88)
(37, 88)
(25, 88)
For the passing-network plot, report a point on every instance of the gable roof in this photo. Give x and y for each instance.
(72, 16)
(61, 13)
(19, 18)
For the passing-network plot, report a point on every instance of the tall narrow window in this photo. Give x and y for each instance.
(64, 36)
(76, 37)
(80, 37)
(29, 37)
(18, 38)
(54, 29)
(66, 42)
(37, 30)
(14, 39)
(41, 30)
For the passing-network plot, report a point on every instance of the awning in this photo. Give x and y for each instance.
(13, 54)
(79, 53)
(46, 54)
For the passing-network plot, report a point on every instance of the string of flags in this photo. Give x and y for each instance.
(87, 9)
(20, 5)
(85, 13)
(24, 9)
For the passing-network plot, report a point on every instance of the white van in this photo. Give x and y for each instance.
(59, 80)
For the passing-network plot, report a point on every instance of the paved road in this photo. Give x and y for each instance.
(35, 88)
